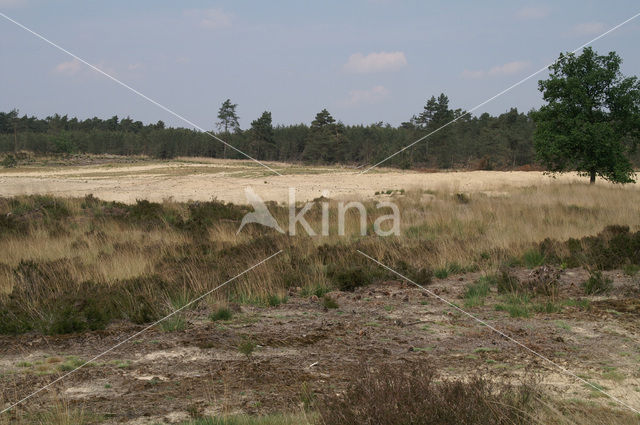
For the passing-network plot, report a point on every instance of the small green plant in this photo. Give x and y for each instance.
(631, 269)
(563, 325)
(247, 347)
(548, 307)
(515, 305)
(441, 273)
(222, 313)
(582, 304)
(476, 293)
(70, 363)
(9, 161)
(329, 302)
(275, 300)
(317, 290)
(507, 283)
(177, 322)
(533, 258)
(307, 396)
(597, 283)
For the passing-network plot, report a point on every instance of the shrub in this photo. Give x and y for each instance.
(9, 161)
(350, 278)
(533, 258)
(275, 300)
(247, 347)
(506, 282)
(441, 273)
(515, 305)
(415, 396)
(329, 302)
(476, 293)
(223, 313)
(597, 283)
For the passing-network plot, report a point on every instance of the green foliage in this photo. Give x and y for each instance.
(515, 305)
(247, 347)
(631, 269)
(597, 283)
(9, 161)
(590, 121)
(547, 307)
(227, 117)
(414, 395)
(475, 293)
(614, 247)
(477, 142)
(275, 300)
(348, 279)
(177, 322)
(507, 282)
(329, 303)
(222, 313)
(533, 258)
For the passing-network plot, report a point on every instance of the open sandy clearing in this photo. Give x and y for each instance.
(225, 180)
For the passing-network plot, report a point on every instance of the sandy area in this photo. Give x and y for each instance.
(225, 180)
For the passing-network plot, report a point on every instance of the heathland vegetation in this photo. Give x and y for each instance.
(534, 261)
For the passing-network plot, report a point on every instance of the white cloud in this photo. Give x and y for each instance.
(508, 68)
(71, 67)
(588, 28)
(368, 96)
(533, 12)
(375, 62)
(210, 18)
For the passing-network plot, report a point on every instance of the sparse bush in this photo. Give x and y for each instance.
(175, 323)
(441, 273)
(275, 300)
(247, 347)
(222, 313)
(350, 278)
(476, 293)
(516, 305)
(533, 258)
(9, 161)
(329, 303)
(544, 281)
(597, 283)
(506, 282)
(414, 395)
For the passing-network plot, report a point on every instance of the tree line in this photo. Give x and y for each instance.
(590, 123)
(485, 141)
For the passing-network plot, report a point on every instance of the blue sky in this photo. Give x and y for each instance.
(364, 60)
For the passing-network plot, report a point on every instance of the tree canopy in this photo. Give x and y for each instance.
(591, 122)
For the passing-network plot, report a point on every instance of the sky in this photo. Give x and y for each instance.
(365, 61)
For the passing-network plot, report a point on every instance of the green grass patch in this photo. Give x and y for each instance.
(221, 314)
(475, 293)
(515, 305)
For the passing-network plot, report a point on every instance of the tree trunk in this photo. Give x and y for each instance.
(592, 174)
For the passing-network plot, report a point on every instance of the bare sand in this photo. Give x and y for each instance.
(201, 179)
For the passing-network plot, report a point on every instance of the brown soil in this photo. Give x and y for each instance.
(168, 376)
